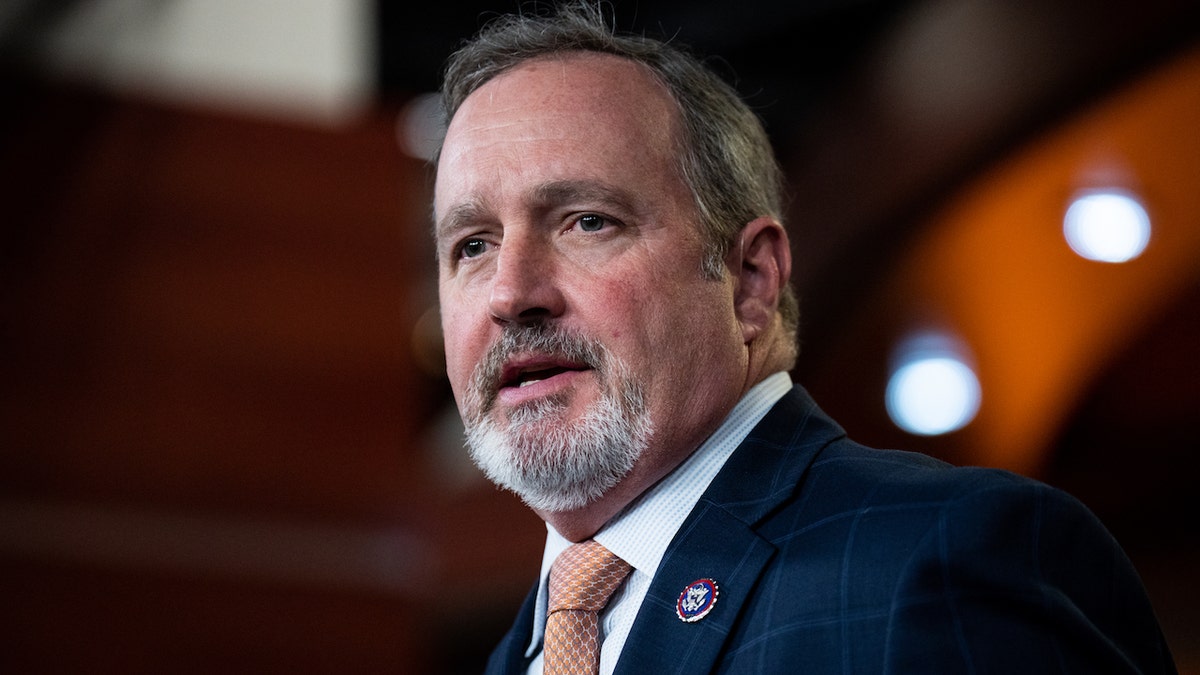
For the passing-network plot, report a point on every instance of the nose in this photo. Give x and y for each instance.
(524, 287)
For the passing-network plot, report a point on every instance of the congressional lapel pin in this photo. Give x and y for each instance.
(697, 600)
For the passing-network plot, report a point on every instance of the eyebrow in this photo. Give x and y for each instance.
(542, 197)
(458, 216)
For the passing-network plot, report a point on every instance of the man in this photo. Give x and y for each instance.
(613, 279)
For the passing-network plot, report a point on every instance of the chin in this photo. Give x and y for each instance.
(555, 464)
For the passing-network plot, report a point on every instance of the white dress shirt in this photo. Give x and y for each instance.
(641, 533)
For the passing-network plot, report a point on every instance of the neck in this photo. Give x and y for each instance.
(581, 524)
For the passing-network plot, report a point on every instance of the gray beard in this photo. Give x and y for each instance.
(551, 463)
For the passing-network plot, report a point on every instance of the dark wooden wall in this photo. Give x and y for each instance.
(224, 442)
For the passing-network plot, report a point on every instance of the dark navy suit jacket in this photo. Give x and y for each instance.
(836, 558)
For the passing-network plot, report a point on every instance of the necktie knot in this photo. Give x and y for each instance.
(584, 577)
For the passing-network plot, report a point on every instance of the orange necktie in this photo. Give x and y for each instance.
(582, 579)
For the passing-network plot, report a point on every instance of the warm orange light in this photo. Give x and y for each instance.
(1041, 320)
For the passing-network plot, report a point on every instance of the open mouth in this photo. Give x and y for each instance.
(528, 377)
(524, 373)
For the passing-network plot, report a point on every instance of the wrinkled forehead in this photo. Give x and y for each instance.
(576, 77)
(582, 104)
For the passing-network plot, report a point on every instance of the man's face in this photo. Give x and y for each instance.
(584, 345)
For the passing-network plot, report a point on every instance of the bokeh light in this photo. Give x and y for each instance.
(932, 389)
(1107, 226)
(420, 127)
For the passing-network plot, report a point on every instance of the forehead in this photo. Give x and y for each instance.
(561, 117)
(573, 83)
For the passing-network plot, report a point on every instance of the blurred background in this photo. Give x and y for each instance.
(226, 441)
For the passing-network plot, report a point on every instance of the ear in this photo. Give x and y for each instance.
(761, 262)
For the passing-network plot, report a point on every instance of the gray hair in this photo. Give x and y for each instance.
(725, 158)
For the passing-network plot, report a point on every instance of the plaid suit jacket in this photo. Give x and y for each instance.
(836, 558)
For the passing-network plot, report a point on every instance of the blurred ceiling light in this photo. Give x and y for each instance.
(420, 128)
(932, 390)
(1107, 226)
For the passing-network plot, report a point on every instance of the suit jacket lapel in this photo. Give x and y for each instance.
(509, 656)
(718, 541)
(715, 546)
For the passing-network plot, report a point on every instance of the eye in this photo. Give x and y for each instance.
(472, 248)
(591, 222)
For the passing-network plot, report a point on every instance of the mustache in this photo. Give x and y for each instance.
(537, 338)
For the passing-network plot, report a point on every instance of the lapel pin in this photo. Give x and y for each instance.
(697, 600)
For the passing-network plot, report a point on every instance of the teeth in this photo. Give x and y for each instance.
(534, 376)
(530, 379)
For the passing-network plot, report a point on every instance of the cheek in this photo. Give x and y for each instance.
(644, 327)
(459, 351)
(619, 306)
